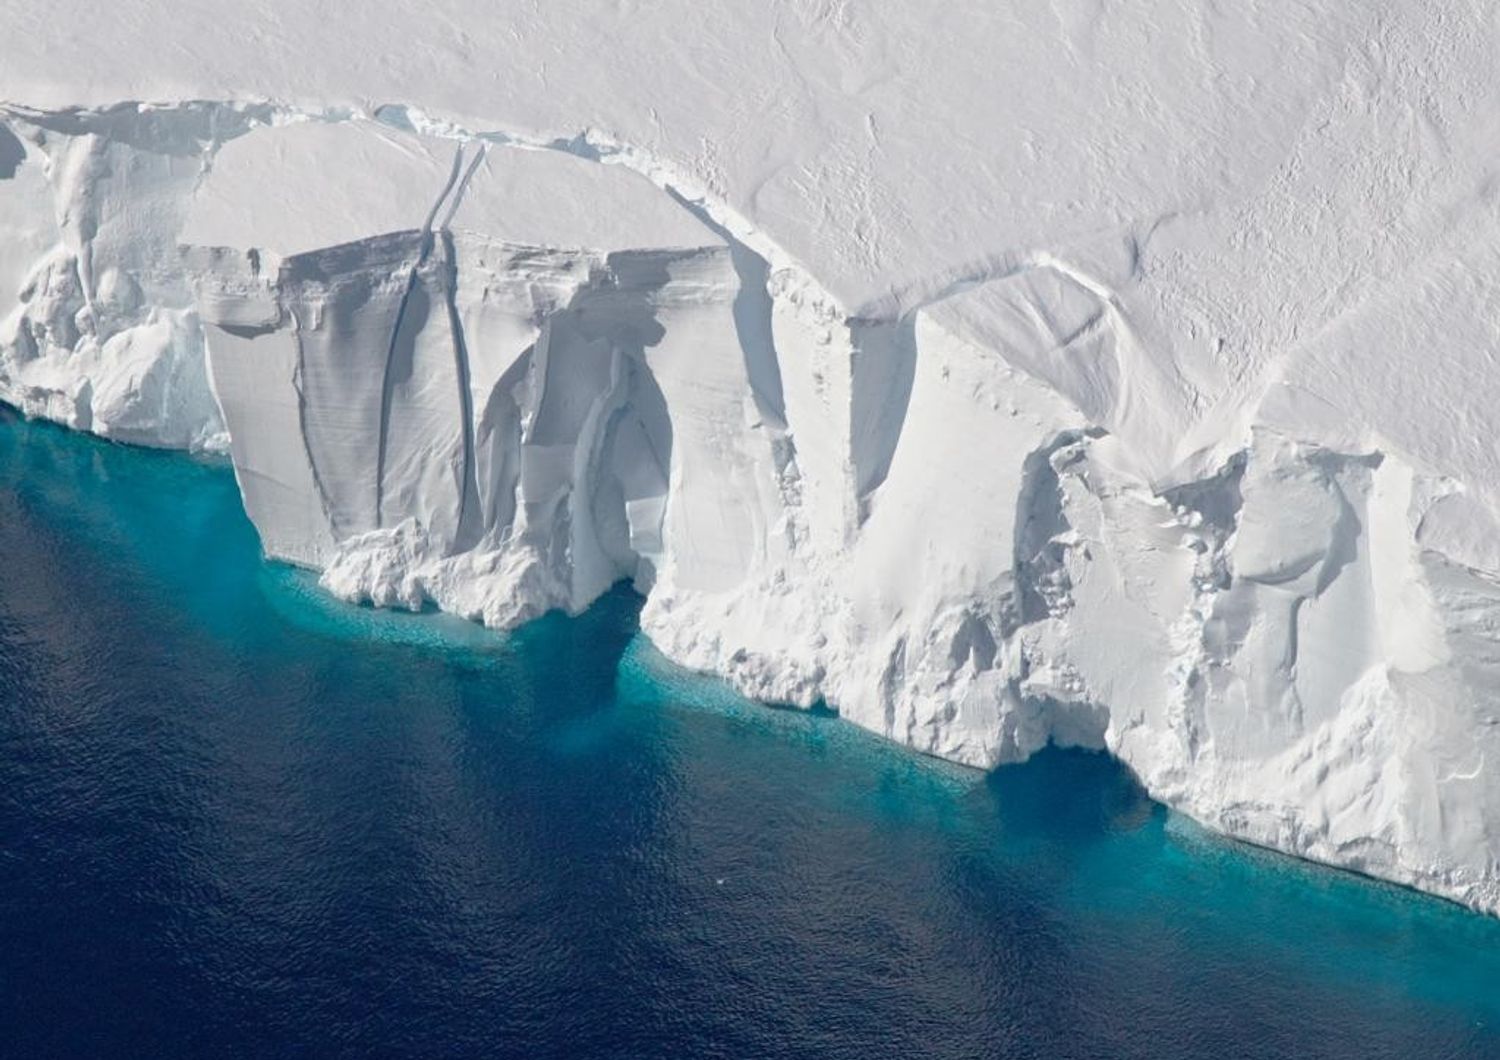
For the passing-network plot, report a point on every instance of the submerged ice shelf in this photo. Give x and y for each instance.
(499, 373)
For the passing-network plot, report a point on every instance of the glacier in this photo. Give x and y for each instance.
(1196, 467)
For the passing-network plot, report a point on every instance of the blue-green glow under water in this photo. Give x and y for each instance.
(240, 818)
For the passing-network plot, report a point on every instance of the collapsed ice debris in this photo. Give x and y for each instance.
(499, 377)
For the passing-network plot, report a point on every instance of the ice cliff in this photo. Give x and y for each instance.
(1160, 487)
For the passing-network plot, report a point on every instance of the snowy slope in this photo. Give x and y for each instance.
(1119, 375)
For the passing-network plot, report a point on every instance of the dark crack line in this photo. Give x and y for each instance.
(413, 277)
(386, 385)
(465, 534)
(462, 185)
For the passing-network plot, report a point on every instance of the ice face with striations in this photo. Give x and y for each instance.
(436, 390)
(1169, 491)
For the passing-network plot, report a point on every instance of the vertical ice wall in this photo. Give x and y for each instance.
(485, 385)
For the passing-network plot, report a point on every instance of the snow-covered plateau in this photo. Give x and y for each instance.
(1112, 375)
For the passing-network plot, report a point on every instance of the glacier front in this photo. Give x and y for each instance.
(1192, 463)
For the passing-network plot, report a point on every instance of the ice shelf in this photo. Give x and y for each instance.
(1109, 375)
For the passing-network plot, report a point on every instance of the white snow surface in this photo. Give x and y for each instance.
(1116, 375)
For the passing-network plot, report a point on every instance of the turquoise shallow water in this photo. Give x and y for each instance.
(240, 818)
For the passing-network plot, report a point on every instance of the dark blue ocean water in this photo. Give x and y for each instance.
(239, 819)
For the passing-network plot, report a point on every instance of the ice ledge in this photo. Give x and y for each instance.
(965, 515)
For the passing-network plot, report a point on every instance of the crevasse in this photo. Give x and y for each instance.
(453, 368)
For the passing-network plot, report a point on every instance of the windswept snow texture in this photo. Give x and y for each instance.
(1110, 375)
